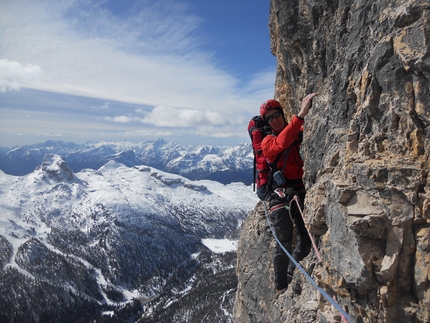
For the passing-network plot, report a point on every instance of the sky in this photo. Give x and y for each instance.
(189, 71)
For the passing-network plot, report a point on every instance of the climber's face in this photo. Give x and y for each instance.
(275, 119)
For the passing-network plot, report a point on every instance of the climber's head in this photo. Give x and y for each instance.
(271, 111)
(269, 105)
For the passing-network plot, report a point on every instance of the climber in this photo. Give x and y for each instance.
(281, 149)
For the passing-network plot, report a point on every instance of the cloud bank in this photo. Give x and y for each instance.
(13, 75)
(148, 54)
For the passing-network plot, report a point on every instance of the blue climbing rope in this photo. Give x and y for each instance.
(323, 292)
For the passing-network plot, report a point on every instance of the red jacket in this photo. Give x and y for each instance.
(274, 144)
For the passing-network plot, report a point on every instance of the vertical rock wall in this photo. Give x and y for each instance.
(367, 161)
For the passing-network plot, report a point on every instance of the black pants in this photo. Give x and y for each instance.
(283, 226)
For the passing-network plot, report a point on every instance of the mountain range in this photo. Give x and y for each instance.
(74, 245)
(223, 164)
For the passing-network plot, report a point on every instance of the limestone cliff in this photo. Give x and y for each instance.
(367, 159)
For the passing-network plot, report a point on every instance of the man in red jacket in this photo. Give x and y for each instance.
(281, 149)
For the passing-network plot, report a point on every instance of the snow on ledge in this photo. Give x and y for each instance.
(220, 245)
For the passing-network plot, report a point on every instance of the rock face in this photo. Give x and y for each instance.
(367, 161)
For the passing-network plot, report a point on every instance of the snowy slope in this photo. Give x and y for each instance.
(110, 234)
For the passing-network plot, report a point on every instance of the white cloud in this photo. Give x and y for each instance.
(226, 131)
(104, 106)
(157, 133)
(120, 119)
(49, 134)
(86, 50)
(263, 81)
(164, 116)
(13, 75)
(150, 56)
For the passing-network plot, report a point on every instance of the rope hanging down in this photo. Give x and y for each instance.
(295, 198)
(309, 278)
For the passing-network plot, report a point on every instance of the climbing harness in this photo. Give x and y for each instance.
(344, 315)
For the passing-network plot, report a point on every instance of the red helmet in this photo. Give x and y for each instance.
(269, 105)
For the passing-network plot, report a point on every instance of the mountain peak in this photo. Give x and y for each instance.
(55, 167)
(228, 164)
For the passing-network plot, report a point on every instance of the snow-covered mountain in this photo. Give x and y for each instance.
(222, 164)
(103, 237)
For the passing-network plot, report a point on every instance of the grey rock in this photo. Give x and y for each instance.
(367, 159)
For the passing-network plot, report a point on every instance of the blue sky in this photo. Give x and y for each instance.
(189, 71)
